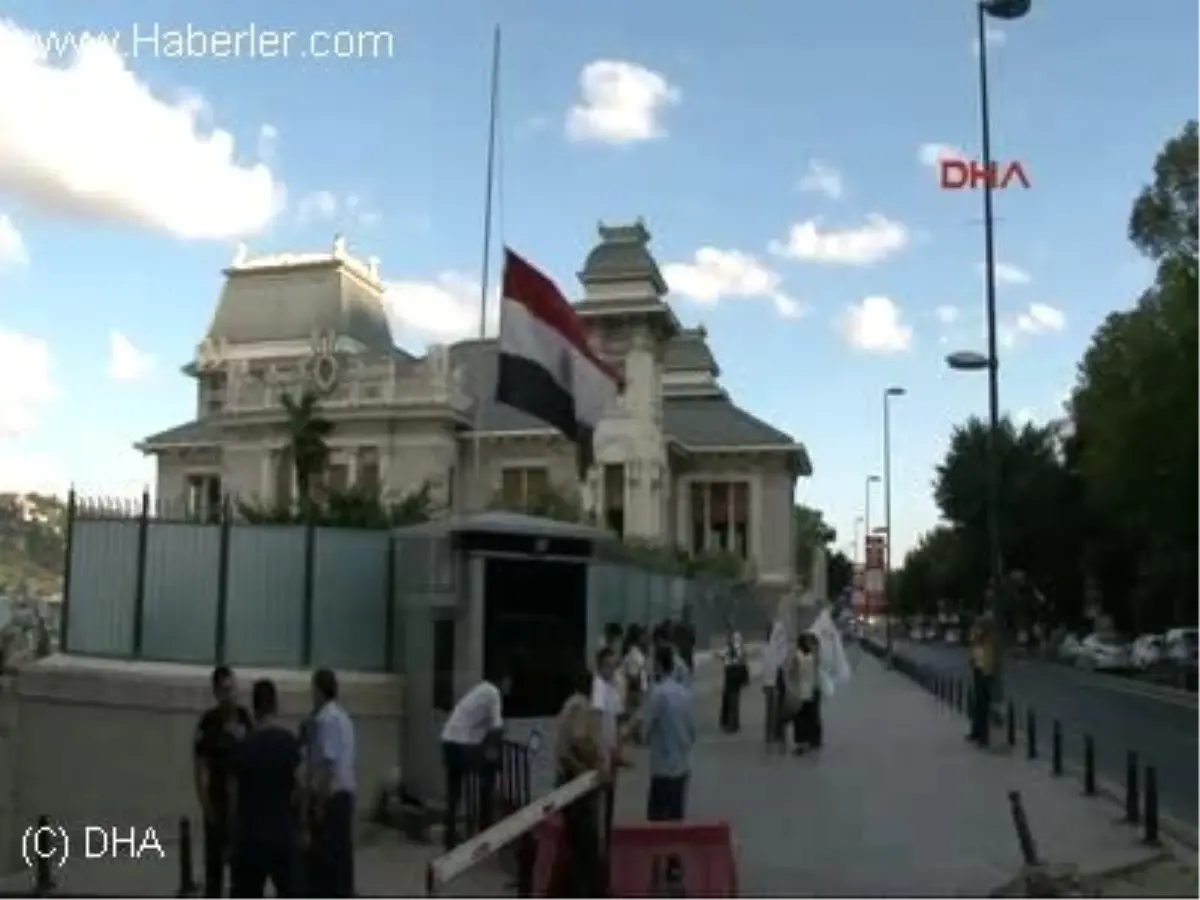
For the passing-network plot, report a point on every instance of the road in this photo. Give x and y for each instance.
(1121, 715)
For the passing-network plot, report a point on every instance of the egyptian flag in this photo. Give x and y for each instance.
(547, 368)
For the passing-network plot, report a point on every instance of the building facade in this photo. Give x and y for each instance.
(676, 459)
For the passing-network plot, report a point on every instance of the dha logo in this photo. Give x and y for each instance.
(963, 174)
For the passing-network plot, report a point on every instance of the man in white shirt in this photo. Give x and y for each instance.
(475, 724)
(607, 704)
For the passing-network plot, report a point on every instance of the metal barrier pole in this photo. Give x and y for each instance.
(1150, 816)
(1089, 766)
(1031, 748)
(187, 883)
(1132, 810)
(1024, 836)
(1056, 760)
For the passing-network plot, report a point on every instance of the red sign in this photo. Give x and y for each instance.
(876, 563)
(960, 174)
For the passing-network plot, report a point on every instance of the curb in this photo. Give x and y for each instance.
(1172, 827)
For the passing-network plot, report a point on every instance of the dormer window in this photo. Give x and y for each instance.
(214, 393)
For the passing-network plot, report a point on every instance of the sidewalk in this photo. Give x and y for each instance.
(896, 804)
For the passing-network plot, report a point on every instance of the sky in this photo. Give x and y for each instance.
(783, 155)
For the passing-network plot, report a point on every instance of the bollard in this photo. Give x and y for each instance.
(43, 882)
(1031, 749)
(1010, 724)
(187, 884)
(1056, 764)
(1024, 836)
(1089, 766)
(1150, 812)
(1132, 807)
(958, 692)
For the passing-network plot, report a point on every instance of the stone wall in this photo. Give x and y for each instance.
(110, 742)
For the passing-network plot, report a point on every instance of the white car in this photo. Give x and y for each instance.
(1069, 649)
(1102, 654)
(1147, 651)
(951, 636)
(1179, 646)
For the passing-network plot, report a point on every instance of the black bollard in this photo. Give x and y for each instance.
(1010, 724)
(1132, 806)
(187, 884)
(1150, 813)
(1031, 749)
(1056, 764)
(1024, 836)
(44, 853)
(1089, 766)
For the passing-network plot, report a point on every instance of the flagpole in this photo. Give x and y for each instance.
(485, 273)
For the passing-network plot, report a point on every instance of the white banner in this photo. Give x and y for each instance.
(834, 667)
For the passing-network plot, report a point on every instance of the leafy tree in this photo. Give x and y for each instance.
(308, 434)
(1163, 222)
(810, 531)
(355, 507)
(839, 573)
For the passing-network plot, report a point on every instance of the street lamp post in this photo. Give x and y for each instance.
(1005, 10)
(887, 511)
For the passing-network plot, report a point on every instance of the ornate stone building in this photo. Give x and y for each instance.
(676, 459)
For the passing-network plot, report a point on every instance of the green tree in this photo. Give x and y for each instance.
(810, 531)
(1039, 525)
(308, 434)
(839, 573)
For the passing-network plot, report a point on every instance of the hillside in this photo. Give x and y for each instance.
(32, 543)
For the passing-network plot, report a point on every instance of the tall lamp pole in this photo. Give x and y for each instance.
(887, 510)
(1005, 10)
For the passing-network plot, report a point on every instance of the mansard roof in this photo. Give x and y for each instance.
(689, 352)
(291, 296)
(623, 254)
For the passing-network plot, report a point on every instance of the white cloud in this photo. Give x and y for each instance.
(328, 206)
(26, 382)
(1006, 273)
(619, 103)
(268, 140)
(878, 238)
(438, 311)
(876, 325)
(947, 314)
(821, 178)
(933, 153)
(1041, 318)
(125, 361)
(12, 246)
(1024, 416)
(714, 275)
(82, 136)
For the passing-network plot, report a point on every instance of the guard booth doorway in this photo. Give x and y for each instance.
(535, 630)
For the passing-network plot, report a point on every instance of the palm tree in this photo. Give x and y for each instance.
(308, 432)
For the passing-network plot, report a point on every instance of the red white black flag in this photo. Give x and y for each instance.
(547, 368)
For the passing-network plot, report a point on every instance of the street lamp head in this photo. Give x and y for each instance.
(872, 479)
(967, 361)
(895, 392)
(1005, 9)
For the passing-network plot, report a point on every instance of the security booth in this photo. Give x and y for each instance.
(492, 594)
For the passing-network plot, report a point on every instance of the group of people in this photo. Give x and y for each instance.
(793, 685)
(277, 805)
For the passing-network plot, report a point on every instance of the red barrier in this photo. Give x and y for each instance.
(649, 859)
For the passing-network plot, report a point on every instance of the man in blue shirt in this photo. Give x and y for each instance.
(333, 785)
(670, 734)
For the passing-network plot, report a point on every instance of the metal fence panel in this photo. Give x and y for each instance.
(103, 584)
(350, 599)
(266, 595)
(181, 584)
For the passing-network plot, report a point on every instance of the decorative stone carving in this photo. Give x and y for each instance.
(208, 355)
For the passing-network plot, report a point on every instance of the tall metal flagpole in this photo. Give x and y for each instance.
(485, 272)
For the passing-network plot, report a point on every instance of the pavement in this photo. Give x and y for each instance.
(1159, 723)
(895, 804)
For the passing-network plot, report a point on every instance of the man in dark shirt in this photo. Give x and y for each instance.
(217, 734)
(264, 802)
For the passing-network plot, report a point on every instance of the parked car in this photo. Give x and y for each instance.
(1068, 649)
(1147, 651)
(952, 636)
(1179, 646)
(1102, 654)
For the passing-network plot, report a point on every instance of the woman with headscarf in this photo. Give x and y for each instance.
(776, 659)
